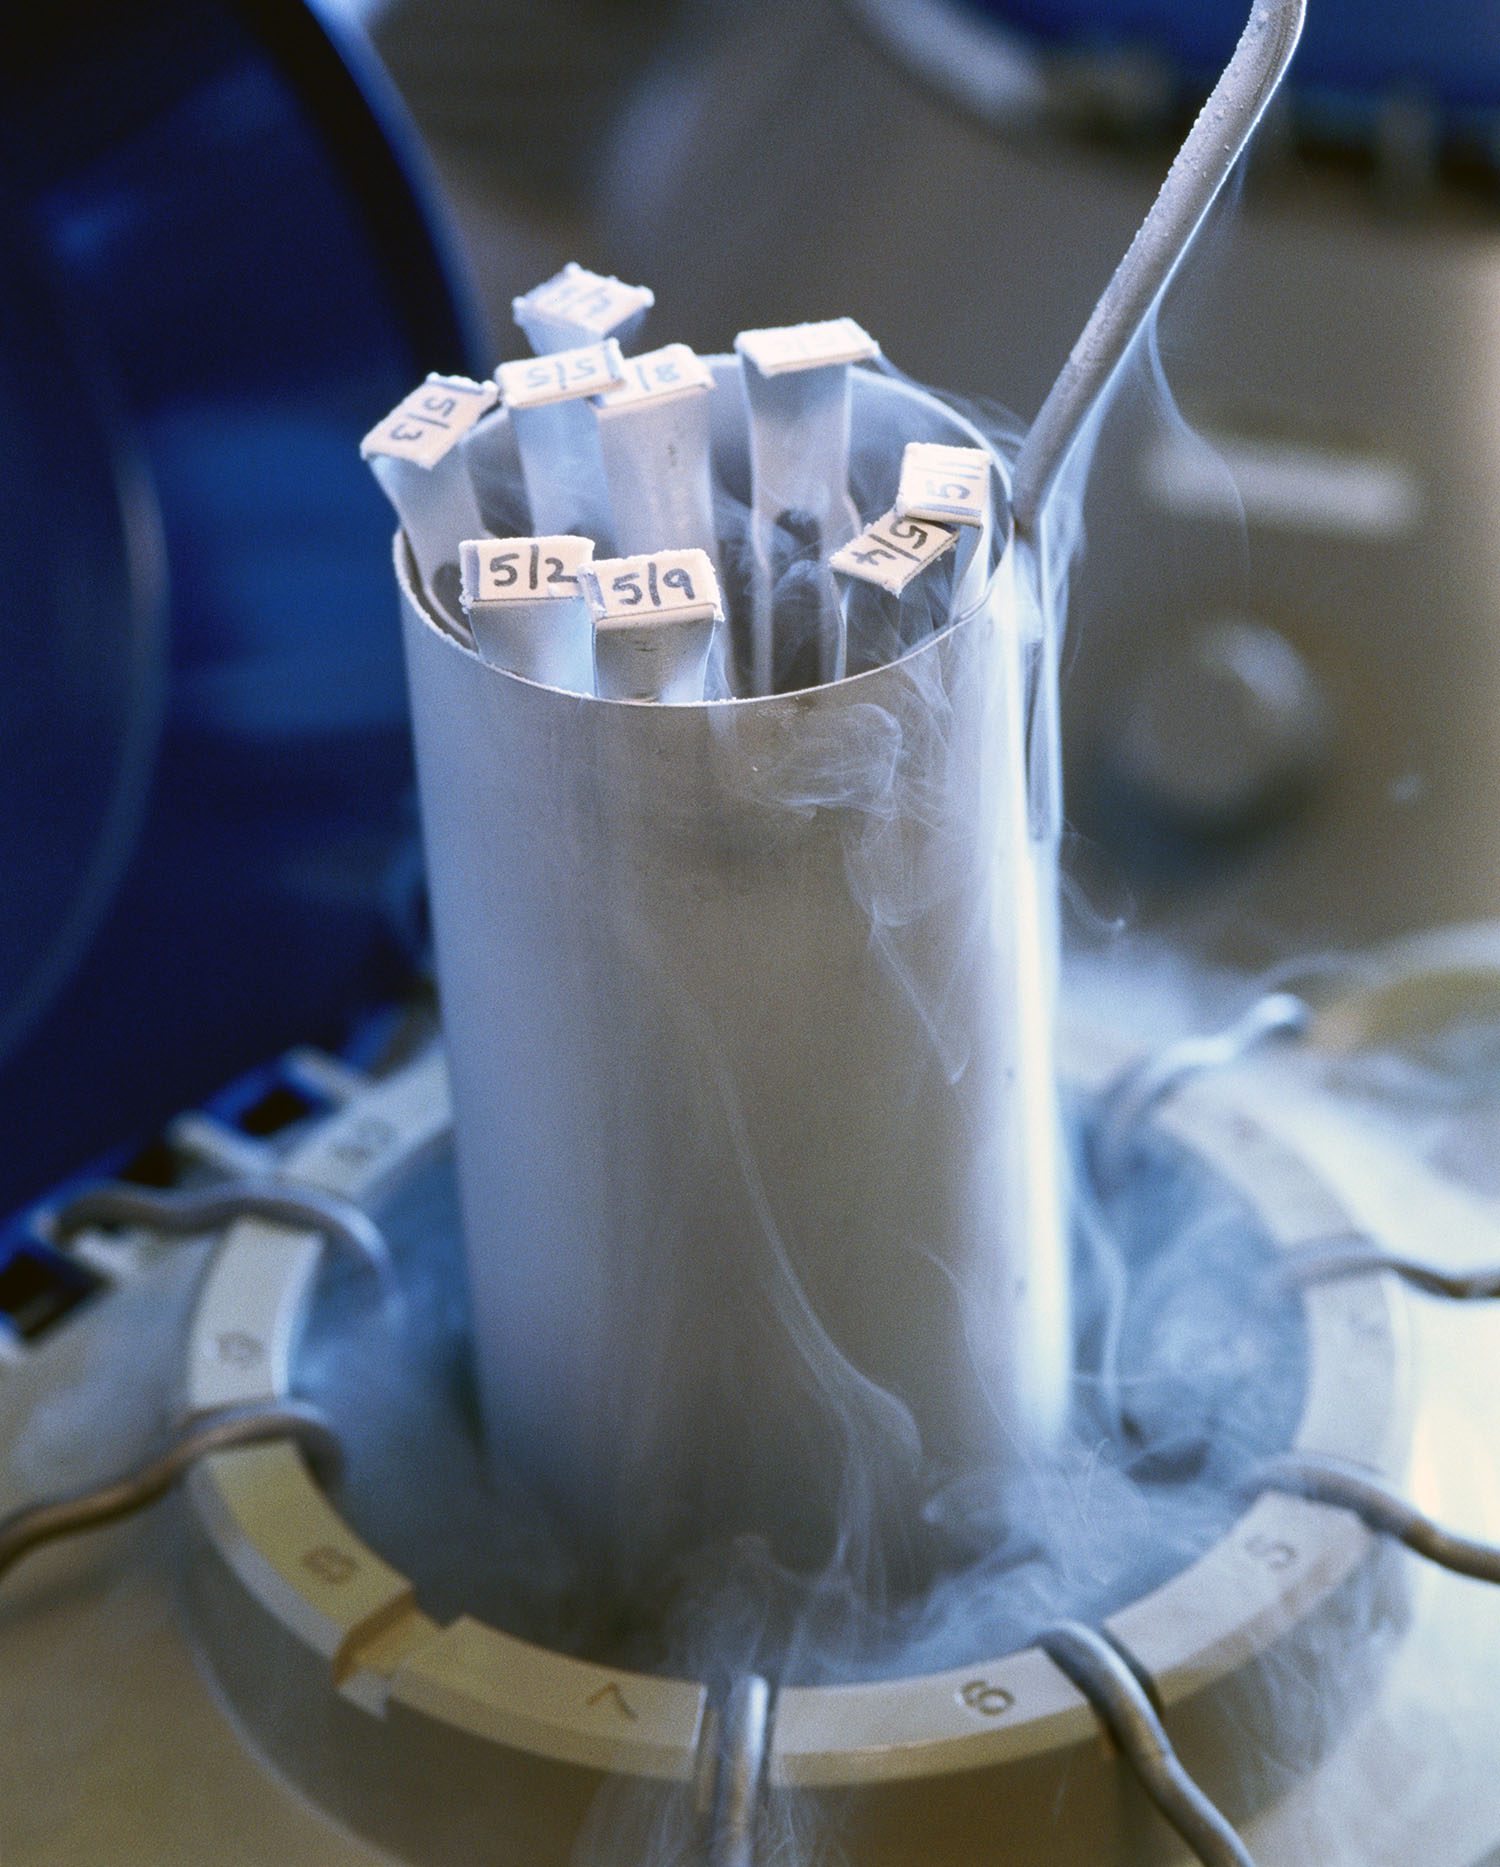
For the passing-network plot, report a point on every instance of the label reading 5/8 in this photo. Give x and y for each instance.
(588, 300)
(430, 420)
(672, 370)
(565, 374)
(654, 587)
(951, 484)
(522, 570)
(892, 551)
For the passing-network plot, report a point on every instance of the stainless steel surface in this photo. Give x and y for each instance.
(753, 1075)
(1199, 170)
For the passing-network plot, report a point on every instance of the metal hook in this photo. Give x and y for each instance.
(742, 1762)
(191, 1211)
(1375, 1503)
(1139, 1089)
(201, 1434)
(1121, 1705)
(1354, 1255)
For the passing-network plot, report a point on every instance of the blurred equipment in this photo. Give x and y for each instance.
(217, 263)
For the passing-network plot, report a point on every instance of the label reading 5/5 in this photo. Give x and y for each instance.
(565, 374)
(431, 420)
(522, 570)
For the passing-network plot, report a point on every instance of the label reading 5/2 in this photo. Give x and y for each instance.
(658, 585)
(522, 570)
(565, 374)
(950, 484)
(892, 551)
(431, 420)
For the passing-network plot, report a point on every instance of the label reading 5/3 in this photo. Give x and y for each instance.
(807, 346)
(892, 551)
(590, 301)
(673, 370)
(951, 484)
(522, 570)
(565, 374)
(430, 420)
(649, 588)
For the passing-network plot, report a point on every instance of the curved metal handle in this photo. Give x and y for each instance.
(1120, 1703)
(1213, 146)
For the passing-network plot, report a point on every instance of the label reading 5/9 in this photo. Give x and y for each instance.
(951, 484)
(651, 588)
(892, 551)
(565, 374)
(522, 570)
(590, 301)
(430, 420)
(673, 370)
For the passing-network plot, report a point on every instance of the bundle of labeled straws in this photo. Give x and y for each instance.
(665, 527)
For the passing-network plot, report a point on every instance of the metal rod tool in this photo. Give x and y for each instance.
(1202, 166)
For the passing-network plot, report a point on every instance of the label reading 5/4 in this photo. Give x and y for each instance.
(522, 570)
(807, 346)
(951, 484)
(562, 376)
(673, 370)
(430, 420)
(645, 589)
(590, 301)
(892, 551)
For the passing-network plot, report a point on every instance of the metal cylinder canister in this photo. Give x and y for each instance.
(748, 1008)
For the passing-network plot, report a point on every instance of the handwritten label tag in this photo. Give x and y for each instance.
(807, 346)
(590, 302)
(563, 376)
(522, 570)
(655, 587)
(656, 376)
(430, 420)
(892, 551)
(951, 484)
